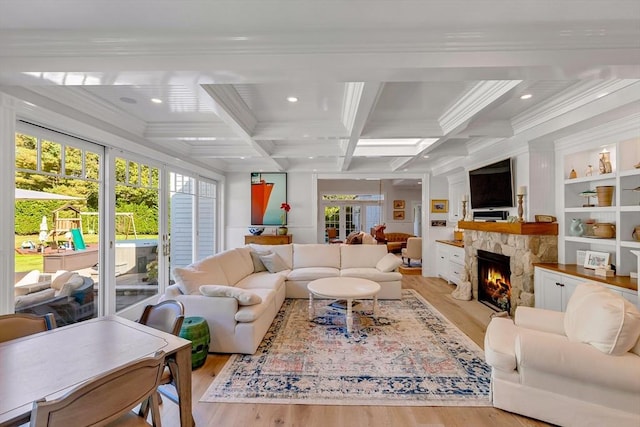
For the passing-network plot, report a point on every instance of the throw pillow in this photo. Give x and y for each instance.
(60, 277)
(388, 263)
(354, 238)
(273, 262)
(244, 297)
(605, 320)
(258, 265)
(190, 280)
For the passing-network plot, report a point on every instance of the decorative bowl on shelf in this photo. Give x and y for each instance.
(256, 231)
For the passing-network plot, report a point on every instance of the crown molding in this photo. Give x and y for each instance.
(611, 132)
(473, 101)
(574, 97)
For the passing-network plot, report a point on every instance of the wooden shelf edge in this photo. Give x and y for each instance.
(528, 228)
(575, 270)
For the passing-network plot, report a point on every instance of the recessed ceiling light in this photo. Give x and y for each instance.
(526, 96)
(128, 100)
(241, 157)
(156, 100)
(426, 156)
(311, 157)
(600, 95)
(292, 98)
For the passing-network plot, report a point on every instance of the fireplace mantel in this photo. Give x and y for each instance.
(529, 228)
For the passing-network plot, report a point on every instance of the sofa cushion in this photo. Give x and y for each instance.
(59, 278)
(312, 273)
(603, 319)
(236, 264)
(356, 256)
(388, 263)
(249, 313)
(212, 266)
(243, 296)
(273, 262)
(258, 266)
(34, 298)
(263, 280)
(30, 278)
(285, 252)
(190, 280)
(371, 273)
(316, 255)
(74, 282)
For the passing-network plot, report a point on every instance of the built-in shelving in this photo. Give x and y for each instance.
(579, 151)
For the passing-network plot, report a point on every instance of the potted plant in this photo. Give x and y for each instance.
(283, 230)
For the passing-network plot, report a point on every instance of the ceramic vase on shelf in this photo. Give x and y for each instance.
(283, 230)
(576, 228)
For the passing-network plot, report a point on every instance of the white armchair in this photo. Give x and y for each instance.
(413, 250)
(579, 368)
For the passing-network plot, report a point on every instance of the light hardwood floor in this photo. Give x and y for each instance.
(471, 317)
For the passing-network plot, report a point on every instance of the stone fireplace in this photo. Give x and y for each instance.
(522, 244)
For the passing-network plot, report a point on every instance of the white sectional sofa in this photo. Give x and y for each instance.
(239, 300)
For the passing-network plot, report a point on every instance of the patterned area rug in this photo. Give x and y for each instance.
(410, 355)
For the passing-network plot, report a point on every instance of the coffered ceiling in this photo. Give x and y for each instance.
(381, 86)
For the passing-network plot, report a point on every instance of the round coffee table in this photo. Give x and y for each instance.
(346, 288)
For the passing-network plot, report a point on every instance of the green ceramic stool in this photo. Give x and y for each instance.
(196, 330)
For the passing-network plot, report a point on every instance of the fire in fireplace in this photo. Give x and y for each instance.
(494, 286)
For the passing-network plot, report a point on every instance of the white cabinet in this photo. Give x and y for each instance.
(450, 263)
(553, 289)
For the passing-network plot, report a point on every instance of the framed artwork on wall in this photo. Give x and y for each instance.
(268, 193)
(398, 204)
(398, 215)
(439, 205)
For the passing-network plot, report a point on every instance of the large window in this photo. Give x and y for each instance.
(58, 180)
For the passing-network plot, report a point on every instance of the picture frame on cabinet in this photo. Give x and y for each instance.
(595, 260)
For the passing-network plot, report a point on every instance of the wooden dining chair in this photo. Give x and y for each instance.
(106, 400)
(332, 235)
(166, 316)
(18, 325)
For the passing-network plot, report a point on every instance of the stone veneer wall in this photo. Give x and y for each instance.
(523, 250)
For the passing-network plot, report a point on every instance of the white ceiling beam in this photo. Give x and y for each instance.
(359, 101)
(232, 110)
(473, 101)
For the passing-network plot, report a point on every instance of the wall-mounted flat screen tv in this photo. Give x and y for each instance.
(491, 186)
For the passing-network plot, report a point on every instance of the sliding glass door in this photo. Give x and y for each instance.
(58, 182)
(137, 249)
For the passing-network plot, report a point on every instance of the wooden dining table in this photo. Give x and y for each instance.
(49, 364)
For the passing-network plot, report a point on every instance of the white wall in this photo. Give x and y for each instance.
(300, 220)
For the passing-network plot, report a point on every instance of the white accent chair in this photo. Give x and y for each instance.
(413, 250)
(578, 368)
